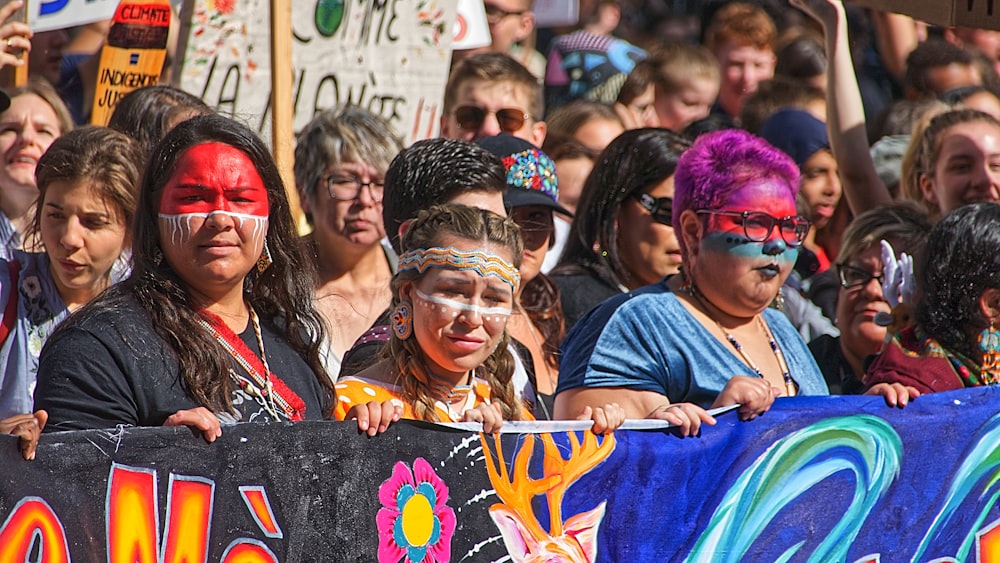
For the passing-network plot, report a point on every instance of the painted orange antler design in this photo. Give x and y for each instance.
(526, 539)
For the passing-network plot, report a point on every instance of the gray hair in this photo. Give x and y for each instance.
(346, 133)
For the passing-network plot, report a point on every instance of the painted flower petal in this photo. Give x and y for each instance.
(405, 493)
(416, 554)
(388, 550)
(390, 487)
(428, 491)
(441, 550)
(423, 472)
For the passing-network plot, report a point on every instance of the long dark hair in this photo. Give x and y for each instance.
(631, 164)
(961, 261)
(283, 293)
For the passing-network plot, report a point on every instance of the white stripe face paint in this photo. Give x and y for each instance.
(180, 229)
(488, 314)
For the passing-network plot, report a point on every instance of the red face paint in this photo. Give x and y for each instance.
(213, 178)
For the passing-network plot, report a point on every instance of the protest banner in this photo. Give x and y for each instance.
(46, 15)
(815, 479)
(983, 14)
(133, 55)
(389, 56)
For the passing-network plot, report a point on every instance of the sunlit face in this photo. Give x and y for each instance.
(213, 218)
(943, 78)
(820, 188)
(459, 316)
(572, 173)
(27, 129)
(967, 168)
(83, 237)
(356, 221)
(985, 102)
(648, 249)
(492, 97)
(857, 306)
(739, 276)
(537, 228)
(694, 101)
(510, 21)
(743, 68)
(598, 133)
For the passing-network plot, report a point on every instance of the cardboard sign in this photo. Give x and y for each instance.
(388, 56)
(133, 55)
(984, 14)
(814, 479)
(471, 28)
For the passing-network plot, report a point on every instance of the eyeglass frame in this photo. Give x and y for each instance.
(868, 277)
(375, 187)
(655, 204)
(775, 221)
(523, 115)
(499, 13)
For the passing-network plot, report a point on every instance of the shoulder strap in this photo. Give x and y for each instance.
(10, 311)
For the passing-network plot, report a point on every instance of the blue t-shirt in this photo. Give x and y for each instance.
(647, 341)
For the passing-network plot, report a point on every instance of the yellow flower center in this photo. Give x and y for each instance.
(418, 520)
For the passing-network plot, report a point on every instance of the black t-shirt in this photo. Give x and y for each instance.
(579, 293)
(111, 368)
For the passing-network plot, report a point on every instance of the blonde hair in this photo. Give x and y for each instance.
(408, 359)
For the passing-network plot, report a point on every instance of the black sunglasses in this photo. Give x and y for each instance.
(661, 208)
(471, 118)
(851, 277)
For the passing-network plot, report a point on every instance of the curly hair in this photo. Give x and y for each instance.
(407, 357)
(283, 293)
(960, 262)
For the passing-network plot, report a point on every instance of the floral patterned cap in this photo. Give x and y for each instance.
(531, 174)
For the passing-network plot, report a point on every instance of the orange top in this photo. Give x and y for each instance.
(358, 391)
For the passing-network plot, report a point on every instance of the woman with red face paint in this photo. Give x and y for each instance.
(706, 337)
(447, 358)
(216, 324)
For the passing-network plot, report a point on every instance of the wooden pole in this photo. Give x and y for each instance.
(282, 117)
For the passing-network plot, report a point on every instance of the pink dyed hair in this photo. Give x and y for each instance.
(720, 164)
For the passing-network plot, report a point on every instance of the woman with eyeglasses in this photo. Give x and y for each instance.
(340, 162)
(859, 297)
(706, 337)
(621, 237)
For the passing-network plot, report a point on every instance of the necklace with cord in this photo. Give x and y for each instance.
(791, 387)
(452, 394)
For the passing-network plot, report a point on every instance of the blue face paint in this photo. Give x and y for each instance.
(738, 245)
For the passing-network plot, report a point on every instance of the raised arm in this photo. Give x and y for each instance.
(845, 121)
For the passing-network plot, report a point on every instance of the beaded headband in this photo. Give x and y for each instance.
(485, 264)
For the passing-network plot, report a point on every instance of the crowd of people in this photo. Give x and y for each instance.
(790, 202)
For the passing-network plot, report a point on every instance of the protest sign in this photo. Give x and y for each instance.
(983, 14)
(46, 15)
(133, 55)
(814, 479)
(389, 56)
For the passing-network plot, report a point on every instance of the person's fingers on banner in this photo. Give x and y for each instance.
(895, 394)
(687, 417)
(606, 419)
(488, 414)
(374, 417)
(199, 418)
(15, 36)
(27, 427)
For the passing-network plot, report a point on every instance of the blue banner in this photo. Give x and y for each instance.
(814, 479)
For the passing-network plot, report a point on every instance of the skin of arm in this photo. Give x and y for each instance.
(845, 120)
(896, 36)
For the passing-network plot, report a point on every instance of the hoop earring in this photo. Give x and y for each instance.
(989, 345)
(157, 257)
(264, 261)
(402, 320)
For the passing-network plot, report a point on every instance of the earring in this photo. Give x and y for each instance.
(157, 257)
(264, 261)
(989, 345)
(402, 320)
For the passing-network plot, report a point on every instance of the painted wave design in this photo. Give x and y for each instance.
(863, 444)
(982, 462)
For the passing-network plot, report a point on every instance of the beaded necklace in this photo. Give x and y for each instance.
(280, 402)
(791, 388)
(450, 393)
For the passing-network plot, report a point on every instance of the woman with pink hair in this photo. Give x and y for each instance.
(706, 337)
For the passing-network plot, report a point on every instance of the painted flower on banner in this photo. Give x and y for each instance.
(224, 6)
(414, 524)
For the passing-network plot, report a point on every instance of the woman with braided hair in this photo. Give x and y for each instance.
(447, 360)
